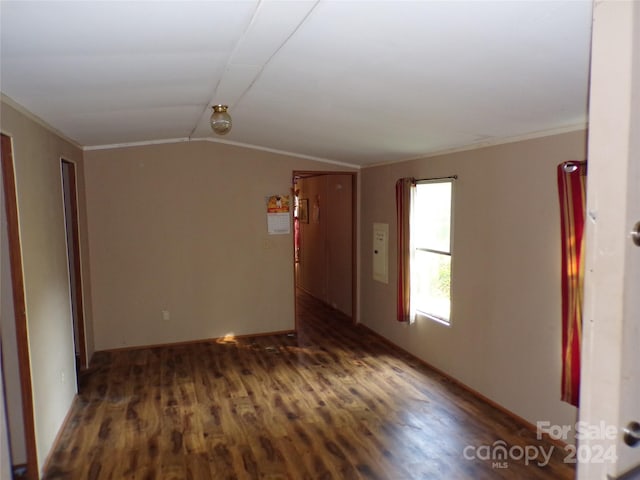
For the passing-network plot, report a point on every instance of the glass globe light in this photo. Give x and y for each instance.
(220, 120)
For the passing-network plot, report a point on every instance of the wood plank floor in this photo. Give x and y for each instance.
(332, 402)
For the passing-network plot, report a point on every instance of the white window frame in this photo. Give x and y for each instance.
(449, 253)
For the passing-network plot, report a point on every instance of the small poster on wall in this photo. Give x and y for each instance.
(278, 203)
(278, 219)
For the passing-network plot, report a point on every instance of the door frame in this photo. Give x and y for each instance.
(296, 174)
(75, 251)
(19, 302)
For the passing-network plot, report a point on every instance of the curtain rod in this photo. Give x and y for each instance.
(455, 177)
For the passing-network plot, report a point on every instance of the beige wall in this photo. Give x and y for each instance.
(182, 228)
(326, 260)
(37, 152)
(504, 338)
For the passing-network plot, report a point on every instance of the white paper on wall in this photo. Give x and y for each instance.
(278, 223)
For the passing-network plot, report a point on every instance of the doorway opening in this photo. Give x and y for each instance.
(70, 195)
(325, 238)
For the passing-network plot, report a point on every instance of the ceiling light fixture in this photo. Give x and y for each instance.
(220, 120)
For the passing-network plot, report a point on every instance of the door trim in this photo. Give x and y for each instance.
(79, 301)
(20, 307)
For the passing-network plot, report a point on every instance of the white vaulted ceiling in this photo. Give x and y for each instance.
(358, 82)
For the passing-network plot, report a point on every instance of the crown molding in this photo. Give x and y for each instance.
(489, 143)
(16, 106)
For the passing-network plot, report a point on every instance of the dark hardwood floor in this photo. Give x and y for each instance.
(332, 402)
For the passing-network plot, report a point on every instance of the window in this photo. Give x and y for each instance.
(431, 247)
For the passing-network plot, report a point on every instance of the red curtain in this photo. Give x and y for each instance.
(296, 239)
(572, 191)
(404, 196)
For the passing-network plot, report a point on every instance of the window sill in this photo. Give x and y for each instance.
(441, 321)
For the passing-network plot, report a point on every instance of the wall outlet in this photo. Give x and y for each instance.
(165, 315)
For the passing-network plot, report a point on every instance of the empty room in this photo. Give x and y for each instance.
(320, 239)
